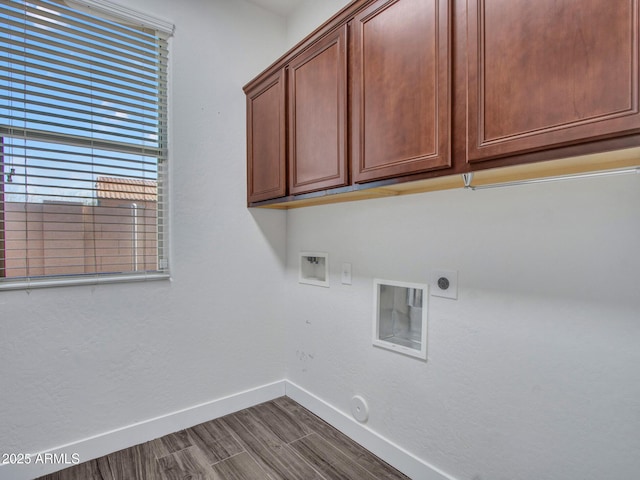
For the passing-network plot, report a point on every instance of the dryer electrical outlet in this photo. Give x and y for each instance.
(444, 283)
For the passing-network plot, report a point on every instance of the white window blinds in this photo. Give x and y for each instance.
(83, 143)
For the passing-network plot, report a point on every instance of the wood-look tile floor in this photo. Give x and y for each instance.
(277, 440)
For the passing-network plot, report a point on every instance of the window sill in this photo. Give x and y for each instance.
(29, 284)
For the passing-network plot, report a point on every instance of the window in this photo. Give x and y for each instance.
(83, 143)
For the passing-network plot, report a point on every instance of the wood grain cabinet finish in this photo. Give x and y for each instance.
(400, 89)
(549, 73)
(381, 92)
(266, 139)
(317, 126)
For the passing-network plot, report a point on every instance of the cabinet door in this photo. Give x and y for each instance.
(401, 89)
(317, 115)
(266, 139)
(550, 73)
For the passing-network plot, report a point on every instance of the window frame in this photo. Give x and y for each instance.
(106, 10)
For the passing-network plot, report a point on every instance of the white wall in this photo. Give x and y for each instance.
(80, 361)
(309, 15)
(532, 373)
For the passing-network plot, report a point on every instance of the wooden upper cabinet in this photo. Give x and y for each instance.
(388, 91)
(550, 73)
(401, 89)
(317, 81)
(266, 139)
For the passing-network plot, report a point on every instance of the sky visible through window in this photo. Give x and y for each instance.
(77, 102)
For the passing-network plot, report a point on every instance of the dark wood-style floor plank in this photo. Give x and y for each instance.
(171, 443)
(215, 441)
(277, 440)
(363, 457)
(104, 469)
(280, 421)
(138, 462)
(240, 467)
(187, 464)
(328, 460)
(267, 449)
(83, 471)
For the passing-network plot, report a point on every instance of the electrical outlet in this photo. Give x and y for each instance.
(444, 283)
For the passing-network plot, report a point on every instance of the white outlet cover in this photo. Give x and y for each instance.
(359, 409)
(444, 283)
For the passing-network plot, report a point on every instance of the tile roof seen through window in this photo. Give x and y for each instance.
(118, 188)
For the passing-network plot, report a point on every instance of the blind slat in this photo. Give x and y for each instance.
(28, 40)
(143, 164)
(73, 60)
(132, 127)
(65, 7)
(77, 182)
(142, 172)
(82, 90)
(33, 134)
(76, 128)
(41, 21)
(121, 116)
(115, 18)
(105, 33)
(114, 104)
(128, 84)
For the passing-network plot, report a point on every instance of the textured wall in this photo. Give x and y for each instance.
(80, 361)
(532, 373)
(309, 15)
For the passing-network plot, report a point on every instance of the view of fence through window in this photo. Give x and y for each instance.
(82, 142)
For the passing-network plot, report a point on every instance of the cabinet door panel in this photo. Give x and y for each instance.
(550, 72)
(317, 116)
(266, 140)
(401, 88)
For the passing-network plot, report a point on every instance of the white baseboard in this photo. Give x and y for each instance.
(109, 442)
(114, 440)
(391, 453)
